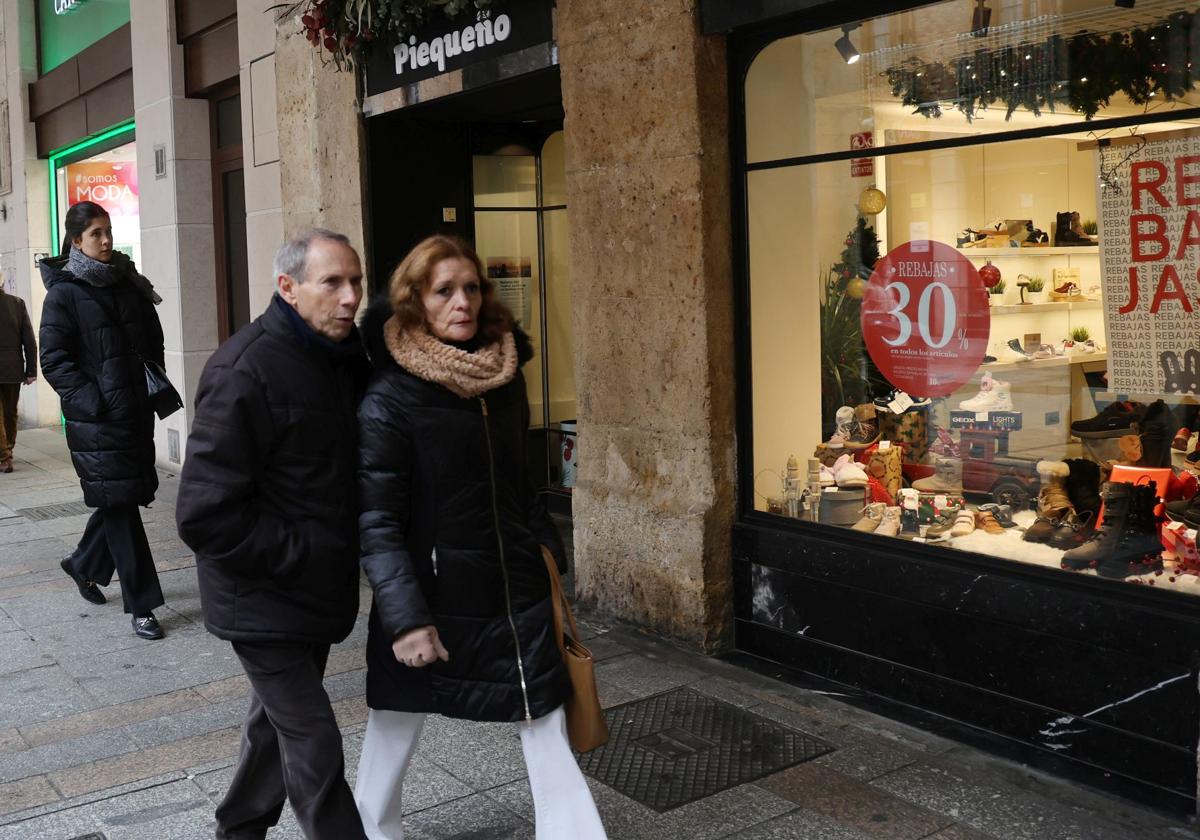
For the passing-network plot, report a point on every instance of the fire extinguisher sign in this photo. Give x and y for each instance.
(862, 167)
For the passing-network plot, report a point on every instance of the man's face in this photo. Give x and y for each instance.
(331, 291)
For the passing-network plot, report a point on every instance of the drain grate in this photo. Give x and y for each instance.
(41, 514)
(677, 747)
(92, 836)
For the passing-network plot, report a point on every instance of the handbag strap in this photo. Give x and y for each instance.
(558, 600)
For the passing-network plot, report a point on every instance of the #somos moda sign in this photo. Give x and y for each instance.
(111, 184)
(925, 318)
(1150, 264)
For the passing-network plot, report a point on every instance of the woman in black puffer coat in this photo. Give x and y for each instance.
(98, 323)
(452, 536)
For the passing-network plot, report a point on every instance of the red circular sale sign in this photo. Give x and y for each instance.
(925, 318)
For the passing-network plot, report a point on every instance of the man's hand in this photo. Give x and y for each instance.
(29, 380)
(420, 647)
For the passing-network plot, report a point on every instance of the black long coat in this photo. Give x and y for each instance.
(93, 364)
(267, 492)
(436, 475)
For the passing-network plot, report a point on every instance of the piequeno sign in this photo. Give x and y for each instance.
(451, 44)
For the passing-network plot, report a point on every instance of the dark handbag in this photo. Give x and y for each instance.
(163, 397)
(586, 726)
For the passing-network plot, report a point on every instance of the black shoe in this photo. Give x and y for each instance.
(1186, 511)
(1115, 420)
(146, 627)
(90, 592)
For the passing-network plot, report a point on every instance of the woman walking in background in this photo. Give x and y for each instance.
(452, 537)
(98, 324)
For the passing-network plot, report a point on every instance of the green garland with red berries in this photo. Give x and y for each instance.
(1081, 72)
(349, 29)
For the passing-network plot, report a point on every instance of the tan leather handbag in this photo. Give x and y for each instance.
(586, 726)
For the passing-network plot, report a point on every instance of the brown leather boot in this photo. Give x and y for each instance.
(1053, 503)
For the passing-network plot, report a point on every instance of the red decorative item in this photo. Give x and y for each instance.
(989, 274)
(925, 318)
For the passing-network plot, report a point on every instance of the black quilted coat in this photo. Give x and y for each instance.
(90, 361)
(451, 533)
(267, 492)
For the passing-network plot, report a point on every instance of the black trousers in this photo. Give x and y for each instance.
(291, 746)
(115, 541)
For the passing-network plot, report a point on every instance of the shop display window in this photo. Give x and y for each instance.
(977, 239)
(110, 179)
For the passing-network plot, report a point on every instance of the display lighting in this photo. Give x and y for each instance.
(845, 48)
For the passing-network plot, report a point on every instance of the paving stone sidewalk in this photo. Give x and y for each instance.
(103, 734)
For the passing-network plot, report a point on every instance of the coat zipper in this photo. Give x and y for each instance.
(487, 434)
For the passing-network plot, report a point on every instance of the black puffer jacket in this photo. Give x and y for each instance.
(267, 493)
(93, 364)
(436, 474)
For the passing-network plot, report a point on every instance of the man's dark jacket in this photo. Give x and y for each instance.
(437, 476)
(18, 350)
(267, 493)
(93, 342)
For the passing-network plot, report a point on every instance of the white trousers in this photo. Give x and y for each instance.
(562, 804)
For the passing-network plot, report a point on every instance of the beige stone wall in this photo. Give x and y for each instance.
(321, 140)
(648, 191)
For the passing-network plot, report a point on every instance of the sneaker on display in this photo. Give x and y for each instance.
(964, 523)
(1067, 291)
(947, 477)
(997, 396)
(1114, 421)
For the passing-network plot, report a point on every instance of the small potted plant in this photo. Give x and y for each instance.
(1080, 335)
(1036, 290)
(996, 293)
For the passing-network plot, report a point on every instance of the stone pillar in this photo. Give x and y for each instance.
(321, 140)
(178, 249)
(648, 177)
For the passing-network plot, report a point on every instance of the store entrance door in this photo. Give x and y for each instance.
(489, 166)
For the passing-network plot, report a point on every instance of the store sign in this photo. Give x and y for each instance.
(451, 44)
(111, 184)
(925, 318)
(1149, 201)
(62, 7)
(67, 27)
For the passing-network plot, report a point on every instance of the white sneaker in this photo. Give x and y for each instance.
(993, 395)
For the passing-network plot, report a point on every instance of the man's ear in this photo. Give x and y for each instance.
(286, 284)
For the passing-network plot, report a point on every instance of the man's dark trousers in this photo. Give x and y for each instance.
(291, 746)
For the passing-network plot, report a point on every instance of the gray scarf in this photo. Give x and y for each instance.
(101, 275)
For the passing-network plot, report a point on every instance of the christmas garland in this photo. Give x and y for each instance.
(349, 29)
(1081, 72)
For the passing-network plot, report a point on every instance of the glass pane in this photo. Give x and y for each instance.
(554, 171)
(505, 180)
(966, 312)
(923, 71)
(229, 122)
(110, 180)
(560, 344)
(507, 244)
(237, 271)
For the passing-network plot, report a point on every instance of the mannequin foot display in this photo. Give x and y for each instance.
(993, 395)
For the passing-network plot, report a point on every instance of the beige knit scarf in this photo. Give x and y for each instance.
(466, 374)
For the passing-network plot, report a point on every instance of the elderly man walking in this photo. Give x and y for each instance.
(267, 501)
(18, 366)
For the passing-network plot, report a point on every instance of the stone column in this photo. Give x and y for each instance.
(648, 190)
(321, 140)
(178, 250)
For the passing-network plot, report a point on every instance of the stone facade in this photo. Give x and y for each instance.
(648, 190)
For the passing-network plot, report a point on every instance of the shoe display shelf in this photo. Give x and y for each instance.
(1044, 306)
(1056, 361)
(1039, 251)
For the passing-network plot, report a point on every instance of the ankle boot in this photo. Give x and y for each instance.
(1120, 545)
(1083, 486)
(1053, 503)
(1155, 431)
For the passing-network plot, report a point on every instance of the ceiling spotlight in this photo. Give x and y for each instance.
(847, 50)
(1125, 4)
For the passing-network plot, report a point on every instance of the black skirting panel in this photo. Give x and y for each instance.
(1099, 674)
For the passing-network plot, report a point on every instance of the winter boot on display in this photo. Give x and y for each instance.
(1083, 486)
(947, 478)
(1053, 503)
(1154, 429)
(1127, 542)
(1115, 420)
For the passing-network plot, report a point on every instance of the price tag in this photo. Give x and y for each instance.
(925, 318)
(902, 403)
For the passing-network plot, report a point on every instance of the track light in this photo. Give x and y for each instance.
(1125, 4)
(847, 50)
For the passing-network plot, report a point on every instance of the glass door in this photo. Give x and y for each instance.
(520, 219)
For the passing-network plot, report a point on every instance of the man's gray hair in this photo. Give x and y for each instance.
(292, 257)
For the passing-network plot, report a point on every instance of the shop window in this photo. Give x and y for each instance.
(944, 214)
(104, 173)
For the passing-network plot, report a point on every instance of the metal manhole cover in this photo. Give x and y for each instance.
(41, 514)
(93, 836)
(677, 747)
